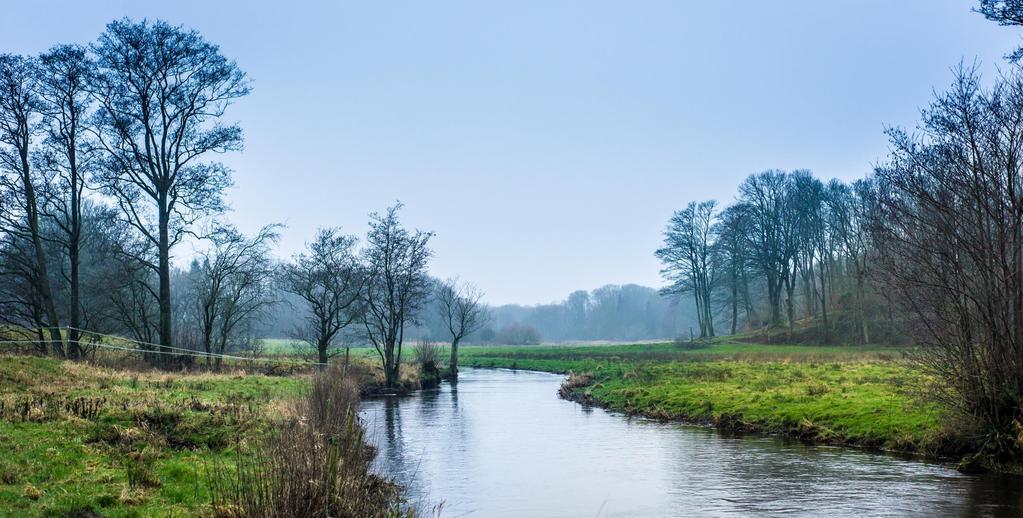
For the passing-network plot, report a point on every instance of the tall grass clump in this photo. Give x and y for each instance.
(316, 464)
(427, 358)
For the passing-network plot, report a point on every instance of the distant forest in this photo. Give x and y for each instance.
(611, 312)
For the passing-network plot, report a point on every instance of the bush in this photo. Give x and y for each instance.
(427, 357)
(426, 354)
(518, 334)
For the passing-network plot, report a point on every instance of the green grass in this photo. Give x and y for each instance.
(284, 346)
(293, 347)
(72, 434)
(78, 437)
(844, 395)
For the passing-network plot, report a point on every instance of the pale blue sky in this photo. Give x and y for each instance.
(547, 142)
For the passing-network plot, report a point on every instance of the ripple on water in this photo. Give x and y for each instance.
(503, 444)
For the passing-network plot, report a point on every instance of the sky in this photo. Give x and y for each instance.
(546, 143)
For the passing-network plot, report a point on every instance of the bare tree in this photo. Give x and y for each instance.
(762, 197)
(396, 288)
(950, 218)
(686, 254)
(732, 256)
(232, 285)
(118, 273)
(812, 240)
(64, 72)
(20, 307)
(329, 279)
(19, 123)
(850, 208)
(106, 274)
(463, 312)
(161, 92)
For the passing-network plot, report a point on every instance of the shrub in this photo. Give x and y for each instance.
(518, 334)
(317, 464)
(427, 358)
(426, 354)
(139, 468)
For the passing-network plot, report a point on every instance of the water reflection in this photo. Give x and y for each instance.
(503, 444)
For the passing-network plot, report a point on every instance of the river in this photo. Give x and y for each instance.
(502, 443)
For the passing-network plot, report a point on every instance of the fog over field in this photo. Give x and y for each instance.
(609, 313)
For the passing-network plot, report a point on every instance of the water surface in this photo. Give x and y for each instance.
(502, 443)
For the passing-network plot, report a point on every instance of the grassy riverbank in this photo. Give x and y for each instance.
(838, 395)
(80, 438)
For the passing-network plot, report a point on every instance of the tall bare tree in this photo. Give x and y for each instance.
(63, 75)
(463, 312)
(330, 280)
(850, 209)
(763, 199)
(161, 92)
(812, 240)
(686, 254)
(396, 288)
(20, 107)
(732, 256)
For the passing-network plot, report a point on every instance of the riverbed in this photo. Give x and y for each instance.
(501, 443)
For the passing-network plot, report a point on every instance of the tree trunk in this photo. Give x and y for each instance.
(207, 342)
(790, 289)
(453, 363)
(74, 249)
(824, 307)
(735, 305)
(166, 324)
(709, 316)
(747, 299)
(861, 309)
(321, 351)
(699, 312)
(43, 283)
(389, 377)
(73, 348)
(221, 349)
(774, 295)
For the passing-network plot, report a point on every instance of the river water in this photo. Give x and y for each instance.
(502, 443)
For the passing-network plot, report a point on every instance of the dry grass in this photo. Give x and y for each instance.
(315, 465)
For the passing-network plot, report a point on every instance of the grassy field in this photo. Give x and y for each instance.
(865, 396)
(79, 438)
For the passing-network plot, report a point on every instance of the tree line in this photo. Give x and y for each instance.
(790, 247)
(108, 163)
(611, 312)
(933, 236)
